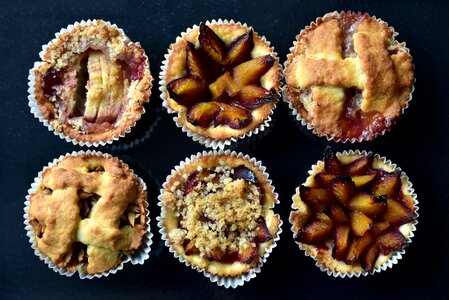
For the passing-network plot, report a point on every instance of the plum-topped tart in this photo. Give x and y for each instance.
(347, 76)
(91, 84)
(217, 214)
(87, 213)
(222, 79)
(355, 213)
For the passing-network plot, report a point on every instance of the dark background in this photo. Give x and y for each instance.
(417, 143)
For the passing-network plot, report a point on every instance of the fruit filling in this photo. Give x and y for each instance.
(219, 214)
(222, 82)
(91, 94)
(355, 209)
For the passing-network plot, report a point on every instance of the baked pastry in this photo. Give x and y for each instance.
(355, 212)
(222, 79)
(88, 213)
(217, 214)
(347, 77)
(92, 83)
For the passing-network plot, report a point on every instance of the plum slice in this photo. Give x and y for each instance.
(190, 248)
(343, 188)
(324, 179)
(397, 214)
(240, 49)
(211, 44)
(332, 164)
(262, 232)
(316, 231)
(391, 240)
(386, 184)
(250, 72)
(341, 241)
(318, 198)
(194, 63)
(358, 245)
(360, 223)
(203, 113)
(369, 258)
(242, 172)
(360, 165)
(368, 204)
(362, 180)
(234, 117)
(337, 214)
(224, 84)
(188, 90)
(253, 96)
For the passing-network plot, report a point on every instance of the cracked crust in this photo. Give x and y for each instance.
(374, 63)
(324, 256)
(65, 52)
(227, 32)
(171, 220)
(60, 228)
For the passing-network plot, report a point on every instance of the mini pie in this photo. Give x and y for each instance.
(347, 77)
(92, 82)
(218, 214)
(222, 79)
(88, 213)
(354, 213)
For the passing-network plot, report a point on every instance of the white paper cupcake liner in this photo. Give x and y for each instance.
(294, 111)
(207, 141)
(224, 281)
(36, 111)
(393, 258)
(137, 258)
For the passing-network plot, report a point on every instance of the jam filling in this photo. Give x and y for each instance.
(348, 23)
(262, 233)
(222, 84)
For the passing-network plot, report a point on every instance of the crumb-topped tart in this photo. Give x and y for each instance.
(354, 213)
(347, 76)
(88, 213)
(222, 79)
(218, 214)
(92, 82)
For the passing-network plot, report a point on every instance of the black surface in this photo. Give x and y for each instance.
(418, 143)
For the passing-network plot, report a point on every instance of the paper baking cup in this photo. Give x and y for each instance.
(294, 111)
(392, 258)
(137, 258)
(36, 111)
(224, 281)
(207, 141)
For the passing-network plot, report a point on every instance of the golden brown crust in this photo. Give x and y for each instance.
(176, 68)
(61, 222)
(299, 215)
(64, 54)
(363, 56)
(264, 209)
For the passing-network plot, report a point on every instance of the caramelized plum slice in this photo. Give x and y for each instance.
(360, 223)
(341, 241)
(343, 188)
(360, 165)
(362, 180)
(369, 258)
(188, 90)
(246, 255)
(262, 232)
(317, 198)
(240, 49)
(316, 231)
(224, 84)
(253, 96)
(397, 214)
(324, 179)
(250, 72)
(368, 204)
(234, 117)
(203, 113)
(211, 44)
(391, 240)
(386, 184)
(242, 172)
(332, 164)
(194, 63)
(337, 214)
(378, 228)
(358, 245)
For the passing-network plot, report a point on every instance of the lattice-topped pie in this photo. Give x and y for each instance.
(92, 82)
(88, 212)
(354, 213)
(222, 78)
(218, 214)
(348, 77)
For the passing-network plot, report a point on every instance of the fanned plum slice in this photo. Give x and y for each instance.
(324, 179)
(362, 180)
(242, 172)
(250, 72)
(341, 241)
(224, 84)
(188, 90)
(203, 113)
(234, 117)
(211, 44)
(253, 96)
(262, 232)
(386, 184)
(194, 63)
(379, 227)
(317, 198)
(337, 214)
(397, 214)
(240, 49)
(360, 223)
(358, 245)
(343, 188)
(360, 165)
(316, 231)
(369, 258)
(391, 240)
(332, 164)
(368, 204)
